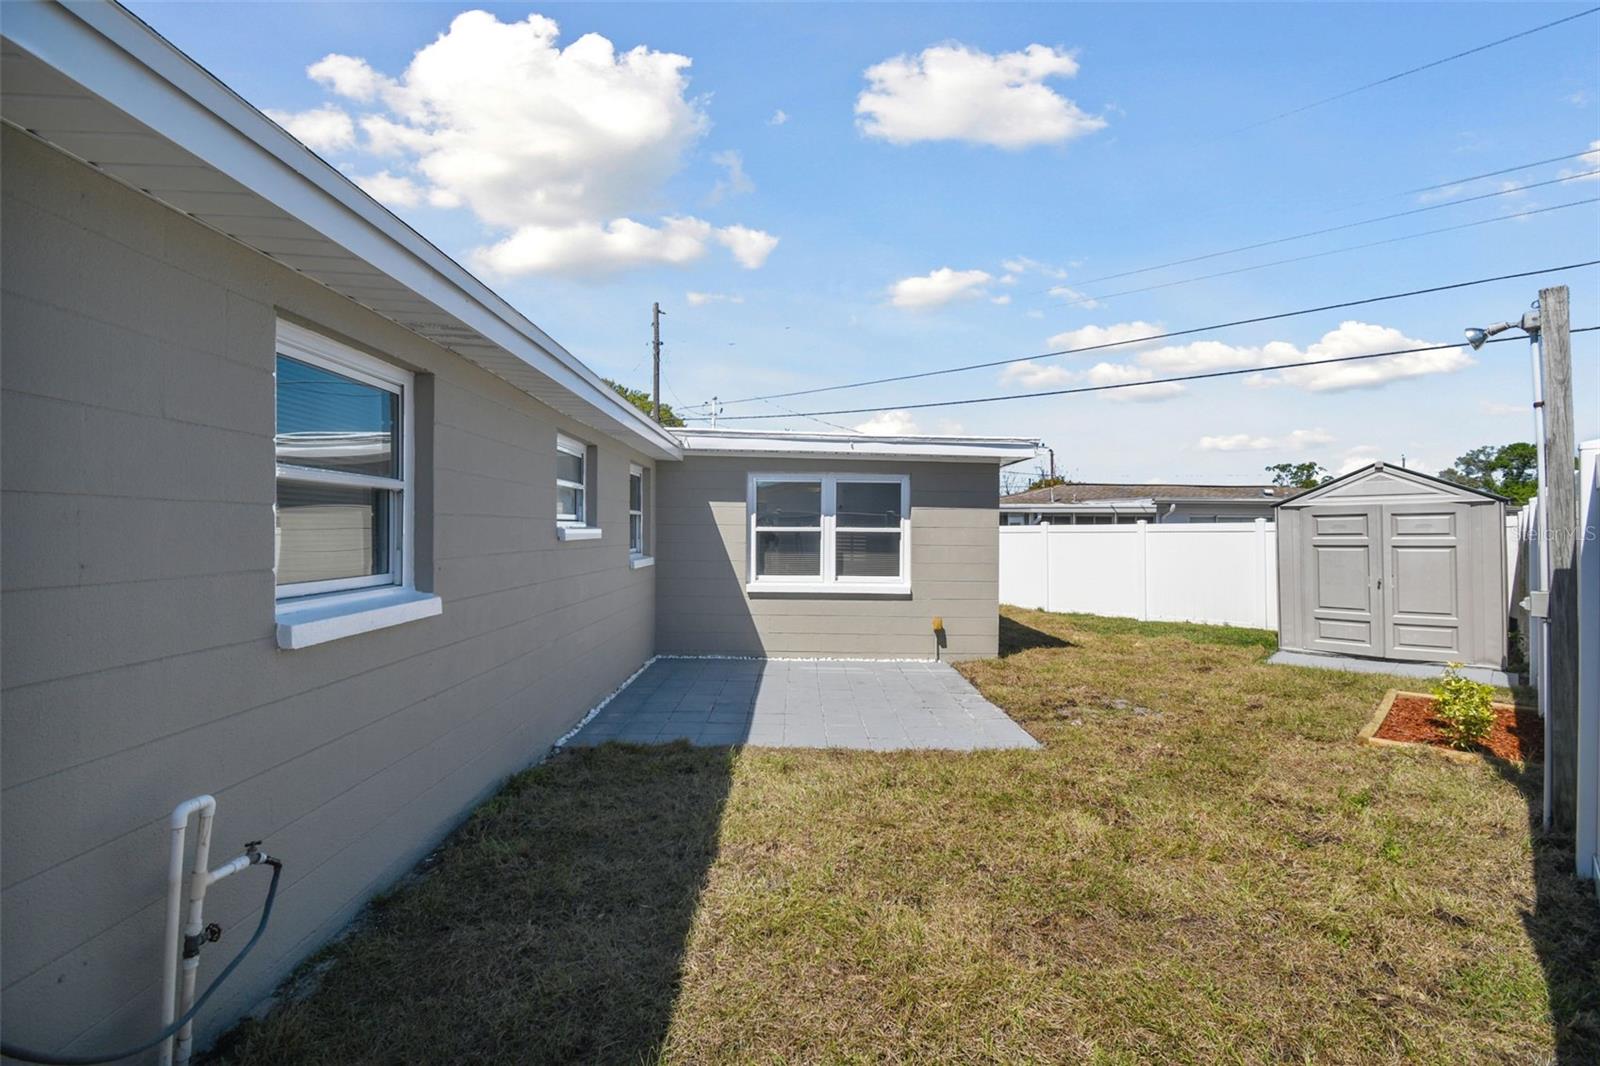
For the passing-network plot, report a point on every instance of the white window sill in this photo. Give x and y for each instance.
(577, 532)
(319, 619)
(827, 588)
(639, 562)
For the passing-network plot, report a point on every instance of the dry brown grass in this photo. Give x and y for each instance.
(1201, 866)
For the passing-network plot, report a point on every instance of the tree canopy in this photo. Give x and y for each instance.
(641, 399)
(1045, 481)
(1298, 475)
(1508, 469)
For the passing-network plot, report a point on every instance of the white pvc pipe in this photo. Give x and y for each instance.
(198, 882)
(1540, 667)
(177, 826)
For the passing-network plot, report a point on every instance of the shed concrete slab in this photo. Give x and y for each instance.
(871, 706)
(1389, 666)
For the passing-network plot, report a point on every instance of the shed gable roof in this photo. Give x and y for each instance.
(1380, 480)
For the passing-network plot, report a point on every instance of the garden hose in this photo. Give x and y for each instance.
(12, 1051)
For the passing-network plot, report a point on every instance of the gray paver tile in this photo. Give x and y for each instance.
(875, 706)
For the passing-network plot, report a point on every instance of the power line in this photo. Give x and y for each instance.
(819, 421)
(1334, 229)
(1165, 336)
(1488, 174)
(1413, 70)
(1559, 179)
(1203, 376)
(1094, 298)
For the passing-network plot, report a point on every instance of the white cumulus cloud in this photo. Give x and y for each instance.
(592, 248)
(1103, 374)
(937, 288)
(1235, 442)
(396, 190)
(1351, 338)
(1587, 163)
(734, 180)
(1073, 296)
(348, 76)
(1361, 338)
(559, 149)
(779, 117)
(1294, 441)
(1033, 375)
(322, 129)
(1030, 374)
(749, 246)
(890, 424)
(700, 299)
(1120, 333)
(952, 92)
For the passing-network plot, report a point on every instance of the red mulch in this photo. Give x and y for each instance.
(1518, 734)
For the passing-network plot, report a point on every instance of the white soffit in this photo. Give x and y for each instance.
(179, 135)
(856, 445)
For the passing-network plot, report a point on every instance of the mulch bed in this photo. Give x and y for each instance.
(1518, 732)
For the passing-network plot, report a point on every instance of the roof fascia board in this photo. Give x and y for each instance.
(112, 54)
(1003, 450)
(946, 452)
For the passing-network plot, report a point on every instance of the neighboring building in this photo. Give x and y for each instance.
(300, 514)
(1097, 504)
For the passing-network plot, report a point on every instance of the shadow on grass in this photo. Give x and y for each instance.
(1563, 924)
(550, 928)
(1016, 637)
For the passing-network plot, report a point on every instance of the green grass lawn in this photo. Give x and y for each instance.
(1201, 865)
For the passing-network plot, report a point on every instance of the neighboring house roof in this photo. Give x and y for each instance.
(856, 445)
(1084, 492)
(94, 81)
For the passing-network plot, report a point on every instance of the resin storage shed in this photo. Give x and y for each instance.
(1387, 563)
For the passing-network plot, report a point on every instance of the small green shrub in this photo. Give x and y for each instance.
(1465, 708)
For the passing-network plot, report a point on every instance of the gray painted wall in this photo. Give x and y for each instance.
(1205, 510)
(702, 542)
(139, 661)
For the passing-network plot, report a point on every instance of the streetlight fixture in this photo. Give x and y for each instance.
(1538, 598)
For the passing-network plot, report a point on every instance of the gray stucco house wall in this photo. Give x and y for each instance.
(140, 662)
(702, 604)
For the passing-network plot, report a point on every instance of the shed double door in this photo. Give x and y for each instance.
(1387, 580)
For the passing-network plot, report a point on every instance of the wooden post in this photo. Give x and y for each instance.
(1560, 531)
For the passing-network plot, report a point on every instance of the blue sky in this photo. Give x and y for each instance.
(868, 190)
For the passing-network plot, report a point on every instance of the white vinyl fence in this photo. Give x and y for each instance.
(1221, 573)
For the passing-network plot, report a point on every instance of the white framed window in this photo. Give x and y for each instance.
(636, 511)
(344, 459)
(839, 533)
(572, 470)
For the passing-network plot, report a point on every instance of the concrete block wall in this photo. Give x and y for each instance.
(139, 663)
(702, 606)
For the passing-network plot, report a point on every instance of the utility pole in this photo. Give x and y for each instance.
(1052, 452)
(1560, 527)
(655, 353)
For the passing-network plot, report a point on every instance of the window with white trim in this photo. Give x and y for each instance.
(832, 532)
(344, 468)
(636, 510)
(572, 462)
